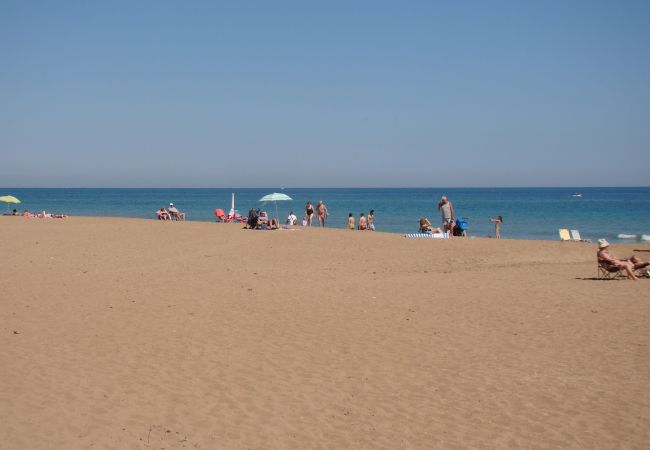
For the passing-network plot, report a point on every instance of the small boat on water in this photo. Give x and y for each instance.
(577, 194)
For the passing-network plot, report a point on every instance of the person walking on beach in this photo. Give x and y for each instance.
(309, 213)
(498, 220)
(371, 220)
(321, 210)
(351, 221)
(447, 210)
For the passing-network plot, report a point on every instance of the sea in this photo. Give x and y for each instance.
(528, 213)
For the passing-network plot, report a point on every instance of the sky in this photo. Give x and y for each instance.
(324, 94)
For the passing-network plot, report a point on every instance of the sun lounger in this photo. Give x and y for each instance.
(575, 236)
(572, 236)
(427, 235)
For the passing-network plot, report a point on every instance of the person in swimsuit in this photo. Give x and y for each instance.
(351, 221)
(363, 224)
(447, 210)
(371, 220)
(498, 220)
(321, 210)
(309, 213)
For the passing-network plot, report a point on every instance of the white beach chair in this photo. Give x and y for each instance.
(575, 236)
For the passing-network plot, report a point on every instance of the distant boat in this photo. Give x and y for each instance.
(577, 194)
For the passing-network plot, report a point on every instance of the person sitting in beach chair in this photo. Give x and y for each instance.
(609, 266)
(163, 214)
(263, 220)
(174, 213)
(427, 228)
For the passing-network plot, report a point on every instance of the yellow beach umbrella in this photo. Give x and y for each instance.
(9, 199)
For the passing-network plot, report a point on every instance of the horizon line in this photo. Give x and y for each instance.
(324, 187)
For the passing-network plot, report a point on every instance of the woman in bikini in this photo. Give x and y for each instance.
(309, 212)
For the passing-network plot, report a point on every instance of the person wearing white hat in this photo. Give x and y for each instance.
(175, 213)
(611, 262)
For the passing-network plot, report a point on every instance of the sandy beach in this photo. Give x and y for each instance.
(133, 334)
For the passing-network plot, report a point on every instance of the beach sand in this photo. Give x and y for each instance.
(131, 334)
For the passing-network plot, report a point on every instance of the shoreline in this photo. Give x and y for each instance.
(626, 242)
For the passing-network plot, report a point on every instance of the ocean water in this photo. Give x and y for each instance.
(528, 213)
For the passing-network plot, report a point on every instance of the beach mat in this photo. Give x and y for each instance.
(427, 235)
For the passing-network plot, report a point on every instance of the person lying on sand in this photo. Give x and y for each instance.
(609, 262)
(427, 228)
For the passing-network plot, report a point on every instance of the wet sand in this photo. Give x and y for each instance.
(130, 334)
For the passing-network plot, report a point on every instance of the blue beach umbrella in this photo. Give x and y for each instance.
(275, 198)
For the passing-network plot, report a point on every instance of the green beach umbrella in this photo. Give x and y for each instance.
(275, 198)
(9, 199)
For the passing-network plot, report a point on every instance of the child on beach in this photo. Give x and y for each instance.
(498, 220)
(351, 221)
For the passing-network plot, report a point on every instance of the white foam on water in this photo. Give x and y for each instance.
(645, 237)
(626, 236)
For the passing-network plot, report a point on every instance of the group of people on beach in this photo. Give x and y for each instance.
(171, 213)
(365, 223)
(321, 213)
(452, 225)
(41, 215)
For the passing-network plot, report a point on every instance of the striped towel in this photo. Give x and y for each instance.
(426, 235)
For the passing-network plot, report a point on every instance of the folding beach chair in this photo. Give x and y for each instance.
(575, 236)
(609, 274)
(564, 234)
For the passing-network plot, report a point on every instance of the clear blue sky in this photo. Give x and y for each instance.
(314, 94)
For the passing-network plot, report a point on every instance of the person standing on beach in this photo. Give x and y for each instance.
(351, 221)
(498, 220)
(321, 210)
(371, 220)
(447, 210)
(309, 213)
